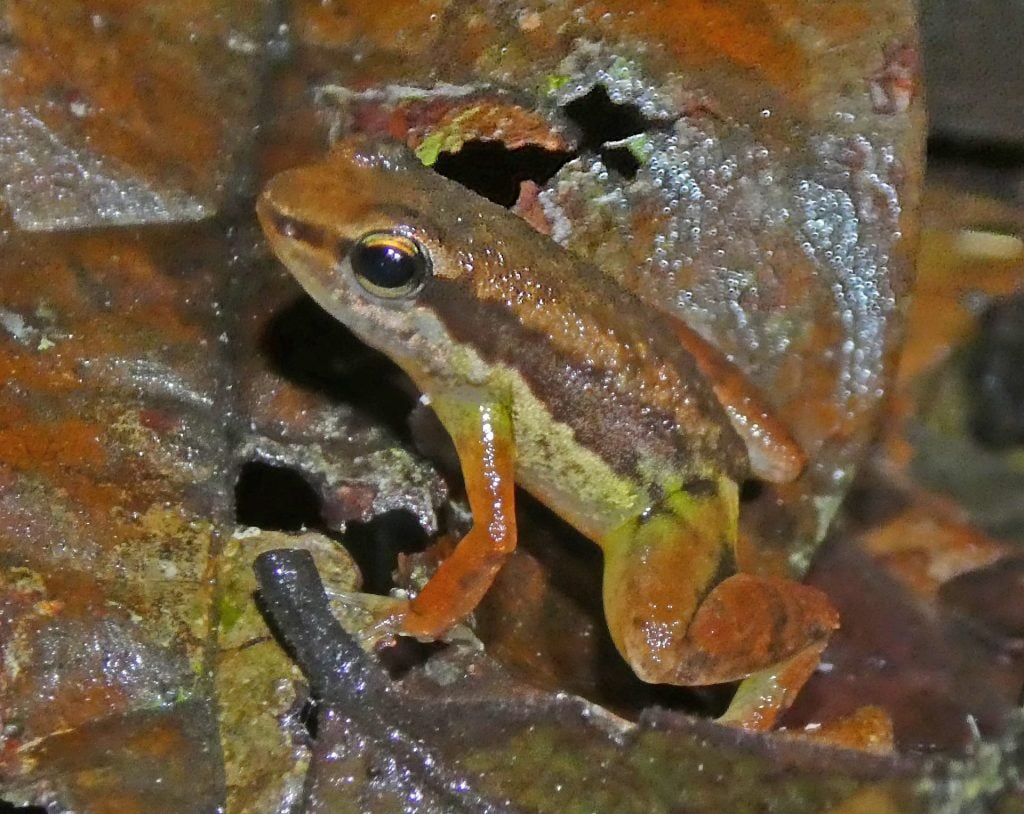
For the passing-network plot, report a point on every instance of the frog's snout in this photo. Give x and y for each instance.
(277, 224)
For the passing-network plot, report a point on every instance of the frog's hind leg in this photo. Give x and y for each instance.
(679, 617)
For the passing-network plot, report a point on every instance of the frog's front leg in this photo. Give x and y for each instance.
(483, 437)
(679, 613)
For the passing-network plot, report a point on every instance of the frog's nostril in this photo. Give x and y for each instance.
(296, 229)
(281, 224)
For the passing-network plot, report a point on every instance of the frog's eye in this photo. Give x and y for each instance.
(389, 265)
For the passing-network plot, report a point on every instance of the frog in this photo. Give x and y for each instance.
(546, 373)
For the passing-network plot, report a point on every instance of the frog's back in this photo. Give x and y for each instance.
(596, 358)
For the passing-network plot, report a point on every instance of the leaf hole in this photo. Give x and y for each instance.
(622, 161)
(375, 547)
(601, 120)
(275, 498)
(491, 169)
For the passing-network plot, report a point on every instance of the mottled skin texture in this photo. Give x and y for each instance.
(546, 373)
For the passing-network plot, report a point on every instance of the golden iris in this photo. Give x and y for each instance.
(388, 264)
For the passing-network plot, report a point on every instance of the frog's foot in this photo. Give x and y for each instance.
(747, 625)
(763, 696)
(374, 620)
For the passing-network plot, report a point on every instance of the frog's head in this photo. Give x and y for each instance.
(356, 230)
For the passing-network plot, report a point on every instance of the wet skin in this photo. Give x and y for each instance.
(547, 374)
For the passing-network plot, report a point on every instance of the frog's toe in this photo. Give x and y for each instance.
(373, 619)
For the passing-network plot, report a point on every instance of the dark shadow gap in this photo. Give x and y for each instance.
(405, 655)
(491, 169)
(995, 375)
(622, 161)
(278, 498)
(375, 547)
(751, 489)
(306, 345)
(275, 498)
(601, 120)
(985, 168)
(309, 717)
(996, 154)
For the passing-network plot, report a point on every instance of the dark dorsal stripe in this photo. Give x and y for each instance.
(616, 426)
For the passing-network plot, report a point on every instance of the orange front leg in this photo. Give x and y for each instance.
(483, 437)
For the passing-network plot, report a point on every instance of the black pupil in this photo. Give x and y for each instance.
(384, 265)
